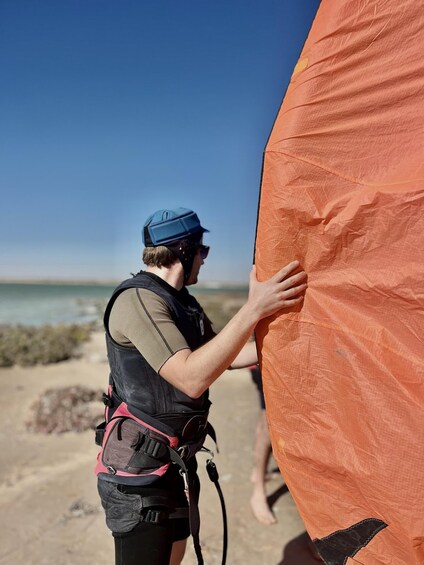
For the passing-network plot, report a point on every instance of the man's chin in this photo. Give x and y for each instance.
(192, 280)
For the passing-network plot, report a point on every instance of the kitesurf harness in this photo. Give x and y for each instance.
(138, 447)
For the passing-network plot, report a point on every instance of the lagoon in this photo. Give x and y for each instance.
(37, 304)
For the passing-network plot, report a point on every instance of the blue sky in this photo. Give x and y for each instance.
(110, 110)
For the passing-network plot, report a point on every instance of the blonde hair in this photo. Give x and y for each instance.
(159, 256)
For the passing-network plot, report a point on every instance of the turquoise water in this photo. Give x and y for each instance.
(37, 304)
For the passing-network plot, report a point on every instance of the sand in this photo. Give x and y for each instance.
(49, 505)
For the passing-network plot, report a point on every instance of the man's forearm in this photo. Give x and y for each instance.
(247, 356)
(204, 365)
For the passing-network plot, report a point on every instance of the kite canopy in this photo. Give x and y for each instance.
(343, 192)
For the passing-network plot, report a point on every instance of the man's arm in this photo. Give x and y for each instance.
(247, 356)
(194, 371)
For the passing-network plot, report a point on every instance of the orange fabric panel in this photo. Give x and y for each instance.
(343, 192)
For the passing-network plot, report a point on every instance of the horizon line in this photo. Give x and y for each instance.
(108, 282)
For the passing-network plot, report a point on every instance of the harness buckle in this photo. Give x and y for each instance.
(155, 516)
(183, 451)
(186, 486)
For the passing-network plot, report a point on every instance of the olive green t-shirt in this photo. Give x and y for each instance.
(140, 318)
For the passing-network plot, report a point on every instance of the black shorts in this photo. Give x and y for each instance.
(137, 541)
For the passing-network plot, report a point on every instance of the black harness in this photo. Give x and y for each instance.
(130, 447)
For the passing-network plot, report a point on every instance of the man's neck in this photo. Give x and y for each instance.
(173, 275)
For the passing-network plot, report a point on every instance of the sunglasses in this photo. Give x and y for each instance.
(204, 251)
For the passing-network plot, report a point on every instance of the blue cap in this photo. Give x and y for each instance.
(165, 226)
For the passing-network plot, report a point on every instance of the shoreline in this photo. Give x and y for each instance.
(208, 285)
(37, 304)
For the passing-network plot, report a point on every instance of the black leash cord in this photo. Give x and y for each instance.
(213, 475)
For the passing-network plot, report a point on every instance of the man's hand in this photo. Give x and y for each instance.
(283, 290)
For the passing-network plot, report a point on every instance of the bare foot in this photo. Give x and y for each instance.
(261, 510)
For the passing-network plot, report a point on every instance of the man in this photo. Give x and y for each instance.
(163, 356)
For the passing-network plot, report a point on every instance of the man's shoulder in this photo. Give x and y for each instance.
(131, 297)
(136, 306)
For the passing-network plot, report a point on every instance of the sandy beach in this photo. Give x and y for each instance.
(48, 500)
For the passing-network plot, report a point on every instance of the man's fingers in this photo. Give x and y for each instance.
(294, 290)
(282, 273)
(293, 280)
(292, 302)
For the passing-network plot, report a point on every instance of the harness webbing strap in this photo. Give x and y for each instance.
(151, 446)
(154, 500)
(179, 513)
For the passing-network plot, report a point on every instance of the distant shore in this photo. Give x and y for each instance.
(209, 285)
(65, 282)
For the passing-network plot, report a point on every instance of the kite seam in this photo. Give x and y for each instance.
(339, 175)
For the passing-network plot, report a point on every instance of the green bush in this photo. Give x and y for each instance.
(27, 345)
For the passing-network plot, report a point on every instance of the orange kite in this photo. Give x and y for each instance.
(343, 192)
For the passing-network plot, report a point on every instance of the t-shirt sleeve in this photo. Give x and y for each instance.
(209, 331)
(142, 319)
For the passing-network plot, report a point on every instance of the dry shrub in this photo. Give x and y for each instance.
(28, 345)
(73, 408)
